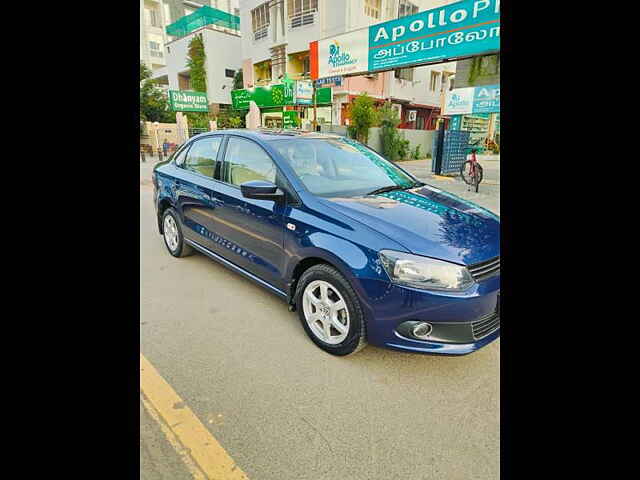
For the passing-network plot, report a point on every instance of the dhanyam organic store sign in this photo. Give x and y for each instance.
(180, 101)
(462, 29)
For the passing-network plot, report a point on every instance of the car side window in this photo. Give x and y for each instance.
(202, 156)
(245, 160)
(180, 154)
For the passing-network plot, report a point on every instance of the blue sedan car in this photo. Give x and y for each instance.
(360, 248)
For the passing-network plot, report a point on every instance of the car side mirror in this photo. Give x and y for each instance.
(261, 190)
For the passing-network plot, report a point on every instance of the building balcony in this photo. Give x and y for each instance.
(302, 19)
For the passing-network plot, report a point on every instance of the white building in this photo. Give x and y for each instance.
(222, 47)
(276, 36)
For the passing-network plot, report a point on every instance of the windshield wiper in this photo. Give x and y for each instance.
(394, 187)
(385, 189)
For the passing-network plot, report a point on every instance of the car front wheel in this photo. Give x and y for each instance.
(330, 311)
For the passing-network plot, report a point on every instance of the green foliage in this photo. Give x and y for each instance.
(154, 106)
(416, 152)
(196, 60)
(144, 71)
(394, 147)
(403, 149)
(363, 116)
(484, 66)
(474, 71)
(231, 119)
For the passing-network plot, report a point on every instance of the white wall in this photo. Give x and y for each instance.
(419, 90)
(256, 51)
(176, 54)
(223, 52)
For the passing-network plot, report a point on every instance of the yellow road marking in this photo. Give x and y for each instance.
(195, 471)
(210, 457)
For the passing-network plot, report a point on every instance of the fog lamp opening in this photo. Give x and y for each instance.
(422, 330)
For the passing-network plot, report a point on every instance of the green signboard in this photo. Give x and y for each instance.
(273, 96)
(183, 101)
(323, 95)
(290, 119)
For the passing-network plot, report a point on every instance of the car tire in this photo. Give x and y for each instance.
(338, 289)
(172, 234)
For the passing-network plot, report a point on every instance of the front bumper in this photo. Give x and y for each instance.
(462, 322)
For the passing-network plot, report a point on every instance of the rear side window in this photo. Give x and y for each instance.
(246, 161)
(202, 156)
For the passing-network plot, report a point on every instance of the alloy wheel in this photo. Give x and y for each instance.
(171, 233)
(326, 312)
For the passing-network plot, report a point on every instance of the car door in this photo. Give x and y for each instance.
(251, 231)
(195, 189)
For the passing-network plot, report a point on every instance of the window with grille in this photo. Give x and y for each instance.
(372, 8)
(406, 8)
(153, 18)
(434, 81)
(154, 45)
(404, 73)
(260, 21)
(301, 12)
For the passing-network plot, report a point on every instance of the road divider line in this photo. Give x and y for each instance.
(187, 430)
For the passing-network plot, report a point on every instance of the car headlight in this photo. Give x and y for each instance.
(423, 272)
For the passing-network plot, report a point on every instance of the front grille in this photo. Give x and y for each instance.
(486, 325)
(483, 270)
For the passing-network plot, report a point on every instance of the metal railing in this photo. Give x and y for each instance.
(261, 33)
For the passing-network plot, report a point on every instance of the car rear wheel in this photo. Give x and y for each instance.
(172, 232)
(330, 311)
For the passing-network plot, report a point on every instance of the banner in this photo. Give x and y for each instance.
(183, 101)
(304, 92)
(279, 95)
(271, 96)
(290, 119)
(460, 101)
(462, 29)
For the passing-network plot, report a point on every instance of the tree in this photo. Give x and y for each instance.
(196, 61)
(394, 147)
(363, 116)
(154, 106)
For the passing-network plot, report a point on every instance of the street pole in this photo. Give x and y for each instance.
(155, 125)
(440, 147)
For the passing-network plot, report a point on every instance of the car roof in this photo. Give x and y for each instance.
(269, 135)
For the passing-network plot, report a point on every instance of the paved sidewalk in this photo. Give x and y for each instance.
(488, 195)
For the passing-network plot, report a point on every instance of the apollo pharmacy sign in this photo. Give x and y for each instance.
(462, 101)
(462, 29)
(180, 101)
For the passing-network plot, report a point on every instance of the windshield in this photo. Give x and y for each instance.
(340, 167)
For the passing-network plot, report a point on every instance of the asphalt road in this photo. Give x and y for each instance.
(284, 409)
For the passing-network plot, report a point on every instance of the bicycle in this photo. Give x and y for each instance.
(471, 170)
